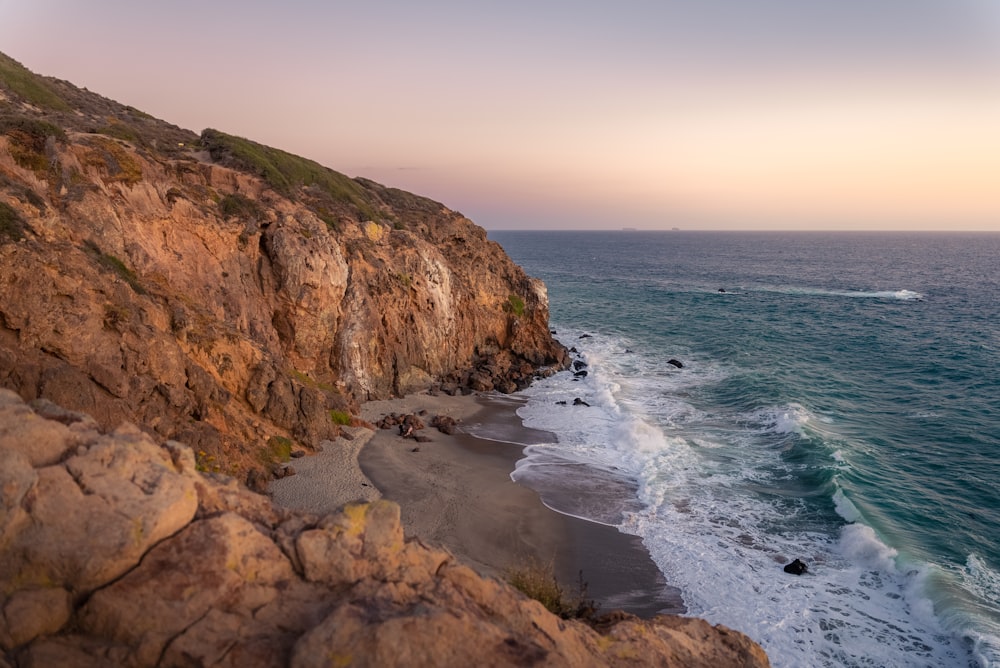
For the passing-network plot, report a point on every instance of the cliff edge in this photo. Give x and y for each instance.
(115, 550)
(231, 295)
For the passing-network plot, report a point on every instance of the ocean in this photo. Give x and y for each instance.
(838, 401)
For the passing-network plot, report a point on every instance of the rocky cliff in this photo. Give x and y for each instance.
(116, 551)
(231, 295)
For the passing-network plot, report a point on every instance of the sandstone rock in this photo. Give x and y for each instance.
(41, 441)
(366, 540)
(30, 613)
(17, 479)
(73, 650)
(222, 563)
(116, 498)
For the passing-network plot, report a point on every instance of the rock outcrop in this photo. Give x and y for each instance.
(115, 550)
(230, 295)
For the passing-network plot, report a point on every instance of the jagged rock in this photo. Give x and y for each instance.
(481, 381)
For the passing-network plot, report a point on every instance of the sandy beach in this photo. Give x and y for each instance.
(455, 491)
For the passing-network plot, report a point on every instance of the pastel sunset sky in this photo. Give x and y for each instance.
(698, 114)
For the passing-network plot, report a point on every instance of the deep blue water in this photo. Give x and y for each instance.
(839, 402)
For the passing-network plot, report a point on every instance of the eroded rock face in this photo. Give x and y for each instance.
(217, 576)
(146, 281)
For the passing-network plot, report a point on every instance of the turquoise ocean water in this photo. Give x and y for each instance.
(839, 403)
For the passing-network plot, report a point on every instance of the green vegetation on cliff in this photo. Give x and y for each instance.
(285, 172)
(538, 581)
(11, 224)
(516, 305)
(28, 137)
(28, 86)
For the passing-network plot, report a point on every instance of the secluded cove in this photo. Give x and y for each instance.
(455, 491)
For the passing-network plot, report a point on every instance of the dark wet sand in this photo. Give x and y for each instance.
(456, 492)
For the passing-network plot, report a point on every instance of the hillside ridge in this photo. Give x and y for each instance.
(232, 295)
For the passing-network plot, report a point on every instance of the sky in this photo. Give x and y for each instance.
(696, 114)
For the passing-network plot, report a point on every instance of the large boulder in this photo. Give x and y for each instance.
(116, 495)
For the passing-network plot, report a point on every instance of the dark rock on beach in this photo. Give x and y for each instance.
(444, 424)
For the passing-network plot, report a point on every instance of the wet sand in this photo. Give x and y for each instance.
(456, 492)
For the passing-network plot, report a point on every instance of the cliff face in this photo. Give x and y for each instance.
(230, 295)
(115, 551)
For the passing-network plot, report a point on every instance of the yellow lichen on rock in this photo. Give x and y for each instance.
(374, 231)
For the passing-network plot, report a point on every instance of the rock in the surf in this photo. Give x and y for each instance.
(797, 567)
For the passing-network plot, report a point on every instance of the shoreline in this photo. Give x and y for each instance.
(455, 492)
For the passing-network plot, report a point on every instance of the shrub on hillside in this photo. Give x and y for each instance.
(11, 224)
(285, 172)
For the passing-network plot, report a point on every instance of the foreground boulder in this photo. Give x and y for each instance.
(116, 551)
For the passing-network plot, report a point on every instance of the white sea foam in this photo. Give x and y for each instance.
(903, 295)
(983, 583)
(982, 580)
(721, 539)
(789, 419)
(844, 507)
(860, 545)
